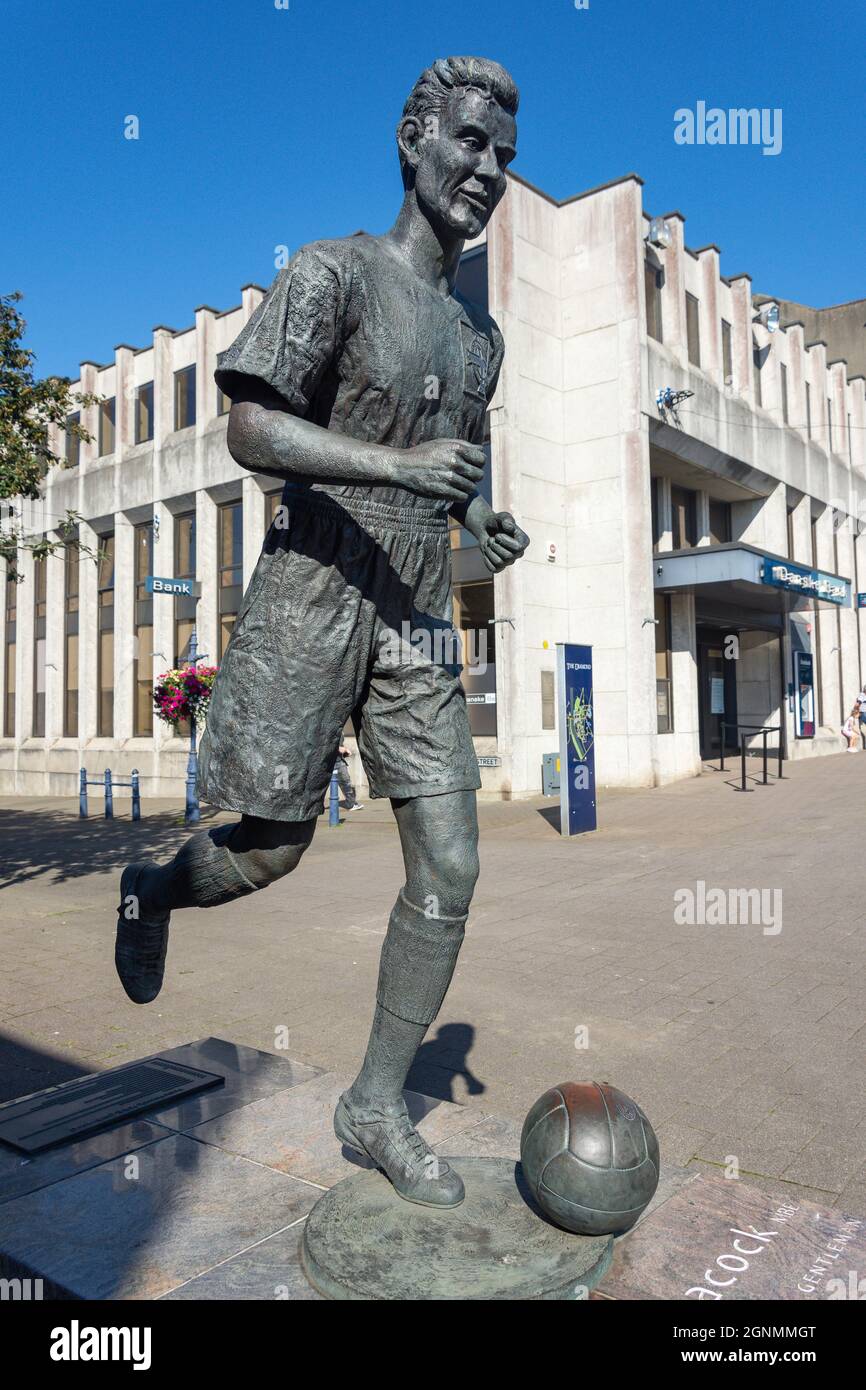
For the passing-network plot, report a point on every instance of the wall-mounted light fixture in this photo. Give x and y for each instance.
(658, 233)
(768, 315)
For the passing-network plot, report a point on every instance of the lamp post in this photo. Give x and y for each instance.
(185, 588)
(192, 815)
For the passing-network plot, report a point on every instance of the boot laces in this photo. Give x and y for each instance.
(419, 1145)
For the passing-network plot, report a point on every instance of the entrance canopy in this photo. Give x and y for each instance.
(738, 576)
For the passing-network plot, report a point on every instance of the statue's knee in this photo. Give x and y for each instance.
(268, 850)
(452, 875)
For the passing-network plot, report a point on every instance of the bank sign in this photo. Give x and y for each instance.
(181, 588)
(576, 738)
(809, 583)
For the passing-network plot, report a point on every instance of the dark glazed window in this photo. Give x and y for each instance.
(693, 329)
(144, 413)
(184, 398)
(106, 426)
(652, 281)
(684, 518)
(727, 354)
(105, 638)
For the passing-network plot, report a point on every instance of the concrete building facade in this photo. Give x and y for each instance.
(693, 484)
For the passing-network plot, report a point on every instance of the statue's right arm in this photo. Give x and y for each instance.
(264, 437)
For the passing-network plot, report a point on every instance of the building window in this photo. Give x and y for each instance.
(224, 402)
(693, 329)
(808, 411)
(40, 589)
(105, 638)
(548, 699)
(790, 533)
(783, 377)
(184, 608)
(144, 413)
(664, 691)
(720, 522)
(231, 561)
(652, 279)
(655, 512)
(473, 619)
(9, 663)
(727, 354)
(829, 423)
(184, 568)
(70, 616)
(850, 453)
(184, 398)
(73, 443)
(142, 725)
(106, 427)
(684, 518)
(756, 362)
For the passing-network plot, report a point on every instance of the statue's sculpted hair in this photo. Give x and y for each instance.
(437, 84)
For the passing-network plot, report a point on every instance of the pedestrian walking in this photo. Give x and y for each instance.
(344, 780)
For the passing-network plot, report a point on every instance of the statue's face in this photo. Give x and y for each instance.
(460, 162)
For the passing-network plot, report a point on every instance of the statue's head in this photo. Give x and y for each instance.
(456, 138)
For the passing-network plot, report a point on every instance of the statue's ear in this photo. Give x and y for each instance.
(409, 138)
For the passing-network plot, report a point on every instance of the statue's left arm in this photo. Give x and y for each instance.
(501, 540)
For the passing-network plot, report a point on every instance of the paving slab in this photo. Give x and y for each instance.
(292, 1131)
(269, 1271)
(718, 1239)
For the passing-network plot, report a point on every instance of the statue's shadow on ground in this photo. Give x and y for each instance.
(439, 1064)
(441, 1061)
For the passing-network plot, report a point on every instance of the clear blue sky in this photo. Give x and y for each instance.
(262, 126)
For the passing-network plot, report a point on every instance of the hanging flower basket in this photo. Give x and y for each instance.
(183, 694)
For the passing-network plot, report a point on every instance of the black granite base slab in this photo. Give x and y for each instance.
(20, 1174)
(248, 1075)
(141, 1225)
(89, 1104)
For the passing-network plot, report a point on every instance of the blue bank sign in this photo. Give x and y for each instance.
(181, 588)
(809, 583)
(576, 738)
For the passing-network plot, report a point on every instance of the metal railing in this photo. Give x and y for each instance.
(108, 783)
(764, 730)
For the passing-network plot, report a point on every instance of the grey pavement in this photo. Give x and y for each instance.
(742, 1043)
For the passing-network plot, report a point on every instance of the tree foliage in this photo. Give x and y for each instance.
(28, 407)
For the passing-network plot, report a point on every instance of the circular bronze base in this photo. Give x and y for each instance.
(362, 1241)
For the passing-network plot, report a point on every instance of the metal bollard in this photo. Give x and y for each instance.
(109, 797)
(334, 804)
(136, 795)
(765, 732)
(82, 794)
(743, 760)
